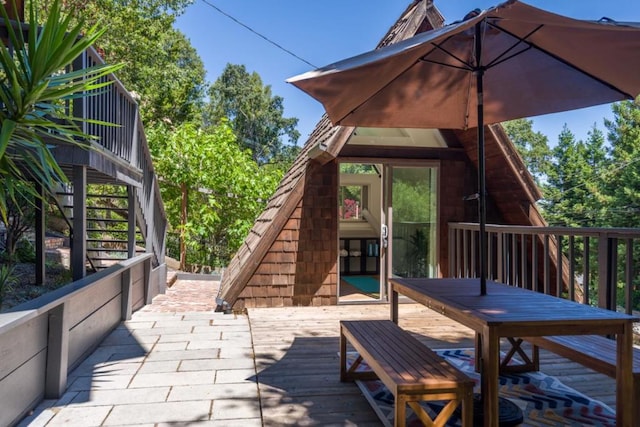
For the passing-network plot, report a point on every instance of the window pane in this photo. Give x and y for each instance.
(350, 202)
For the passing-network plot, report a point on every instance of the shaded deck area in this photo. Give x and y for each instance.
(177, 363)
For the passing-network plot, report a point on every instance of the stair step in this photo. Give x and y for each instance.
(112, 250)
(110, 231)
(103, 196)
(108, 240)
(98, 208)
(106, 250)
(124, 242)
(105, 220)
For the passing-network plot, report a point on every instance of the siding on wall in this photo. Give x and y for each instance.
(300, 267)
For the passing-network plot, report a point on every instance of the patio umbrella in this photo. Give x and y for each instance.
(507, 62)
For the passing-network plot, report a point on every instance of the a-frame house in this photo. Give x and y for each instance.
(339, 223)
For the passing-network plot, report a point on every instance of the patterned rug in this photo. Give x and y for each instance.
(544, 400)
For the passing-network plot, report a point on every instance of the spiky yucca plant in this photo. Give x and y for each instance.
(35, 83)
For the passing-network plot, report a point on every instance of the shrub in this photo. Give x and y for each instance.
(7, 281)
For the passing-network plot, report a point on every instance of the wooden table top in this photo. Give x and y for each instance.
(460, 299)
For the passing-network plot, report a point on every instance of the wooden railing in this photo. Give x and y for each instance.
(127, 141)
(594, 266)
(45, 338)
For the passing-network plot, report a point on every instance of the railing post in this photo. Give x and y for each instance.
(474, 256)
(126, 283)
(135, 140)
(131, 221)
(547, 266)
(79, 243)
(80, 102)
(148, 297)
(466, 269)
(572, 269)
(559, 270)
(604, 271)
(628, 297)
(534, 264)
(586, 270)
(500, 261)
(150, 216)
(612, 283)
(57, 353)
(513, 261)
(451, 242)
(524, 277)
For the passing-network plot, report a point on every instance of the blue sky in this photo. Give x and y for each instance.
(322, 32)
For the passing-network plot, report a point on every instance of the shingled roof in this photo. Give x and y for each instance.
(325, 143)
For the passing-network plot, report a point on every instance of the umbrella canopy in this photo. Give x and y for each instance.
(534, 62)
(507, 62)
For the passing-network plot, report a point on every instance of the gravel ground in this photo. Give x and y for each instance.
(24, 288)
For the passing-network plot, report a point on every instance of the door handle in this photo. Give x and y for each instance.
(384, 234)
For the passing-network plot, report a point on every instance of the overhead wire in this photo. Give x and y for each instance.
(267, 39)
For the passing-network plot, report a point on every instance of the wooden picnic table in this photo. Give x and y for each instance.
(508, 311)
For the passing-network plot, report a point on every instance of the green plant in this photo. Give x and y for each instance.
(7, 281)
(36, 86)
(25, 252)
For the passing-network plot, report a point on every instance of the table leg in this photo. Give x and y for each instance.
(489, 380)
(625, 411)
(394, 305)
(478, 351)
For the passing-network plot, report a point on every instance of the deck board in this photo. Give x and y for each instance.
(296, 351)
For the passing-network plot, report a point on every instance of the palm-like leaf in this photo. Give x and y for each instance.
(36, 85)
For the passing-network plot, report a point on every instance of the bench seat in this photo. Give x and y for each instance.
(593, 351)
(410, 370)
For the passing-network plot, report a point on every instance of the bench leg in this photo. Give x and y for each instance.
(400, 412)
(343, 357)
(350, 373)
(636, 398)
(529, 363)
(467, 408)
(478, 352)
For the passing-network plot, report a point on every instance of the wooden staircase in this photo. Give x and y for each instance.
(107, 231)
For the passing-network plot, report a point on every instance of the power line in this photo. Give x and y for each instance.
(605, 174)
(211, 5)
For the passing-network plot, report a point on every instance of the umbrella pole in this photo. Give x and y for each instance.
(482, 209)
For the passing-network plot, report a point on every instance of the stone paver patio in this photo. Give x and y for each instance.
(175, 363)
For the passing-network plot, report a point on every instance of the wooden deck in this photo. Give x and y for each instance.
(296, 353)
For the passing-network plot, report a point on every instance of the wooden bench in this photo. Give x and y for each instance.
(595, 352)
(408, 368)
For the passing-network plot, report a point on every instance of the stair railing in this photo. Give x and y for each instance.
(127, 141)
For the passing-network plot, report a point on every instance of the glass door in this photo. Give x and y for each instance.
(359, 210)
(411, 218)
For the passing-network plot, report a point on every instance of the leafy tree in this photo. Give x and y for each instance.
(569, 179)
(217, 206)
(596, 198)
(20, 217)
(161, 66)
(532, 146)
(34, 90)
(624, 176)
(255, 115)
